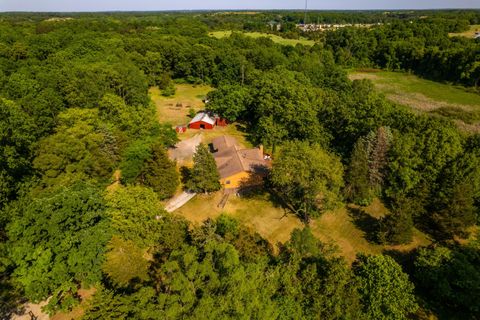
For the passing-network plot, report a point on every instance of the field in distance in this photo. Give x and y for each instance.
(454, 102)
(275, 38)
(469, 33)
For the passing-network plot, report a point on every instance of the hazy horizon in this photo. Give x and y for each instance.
(191, 5)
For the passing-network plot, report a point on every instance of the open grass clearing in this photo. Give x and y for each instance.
(470, 33)
(255, 212)
(235, 130)
(187, 96)
(337, 228)
(454, 102)
(275, 38)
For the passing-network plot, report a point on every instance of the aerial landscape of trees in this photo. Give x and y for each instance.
(75, 112)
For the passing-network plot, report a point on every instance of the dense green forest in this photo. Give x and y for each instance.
(74, 107)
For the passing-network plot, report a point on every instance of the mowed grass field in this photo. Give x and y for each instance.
(423, 95)
(275, 38)
(469, 33)
(338, 228)
(189, 96)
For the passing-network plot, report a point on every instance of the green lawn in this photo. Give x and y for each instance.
(275, 38)
(187, 96)
(423, 95)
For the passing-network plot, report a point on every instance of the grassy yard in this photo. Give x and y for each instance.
(340, 228)
(275, 38)
(256, 212)
(469, 33)
(235, 130)
(423, 95)
(189, 96)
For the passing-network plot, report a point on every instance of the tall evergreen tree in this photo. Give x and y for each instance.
(367, 166)
(397, 226)
(378, 144)
(454, 201)
(160, 173)
(358, 189)
(204, 175)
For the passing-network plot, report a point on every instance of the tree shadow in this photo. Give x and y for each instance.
(403, 258)
(185, 175)
(365, 222)
(257, 187)
(243, 128)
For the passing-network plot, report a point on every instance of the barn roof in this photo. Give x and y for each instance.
(231, 159)
(203, 117)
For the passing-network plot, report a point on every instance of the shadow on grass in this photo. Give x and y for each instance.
(256, 187)
(243, 127)
(365, 222)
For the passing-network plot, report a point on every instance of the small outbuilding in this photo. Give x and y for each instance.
(202, 120)
(221, 122)
(181, 129)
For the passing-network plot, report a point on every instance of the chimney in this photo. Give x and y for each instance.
(261, 148)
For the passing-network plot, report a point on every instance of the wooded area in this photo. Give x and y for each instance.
(75, 108)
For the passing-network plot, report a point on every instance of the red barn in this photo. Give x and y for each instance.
(202, 120)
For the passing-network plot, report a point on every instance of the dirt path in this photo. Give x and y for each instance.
(34, 309)
(178, 201)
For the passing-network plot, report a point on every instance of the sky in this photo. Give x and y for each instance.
(153, 5)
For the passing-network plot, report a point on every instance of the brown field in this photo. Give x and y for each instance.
(338, 228)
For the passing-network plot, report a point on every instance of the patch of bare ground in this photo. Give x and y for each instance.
(32, 309)
(421, 102)
(360, 76)
(35, 309)
(78, 311)
(466, 127)
(117, 175)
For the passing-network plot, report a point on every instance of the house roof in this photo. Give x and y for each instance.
(223, 142)
(231, 159)
(204, 117)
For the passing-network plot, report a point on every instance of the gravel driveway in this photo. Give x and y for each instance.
(184, 150)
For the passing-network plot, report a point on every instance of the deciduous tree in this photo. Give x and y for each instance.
(385, 289)
(307, 178)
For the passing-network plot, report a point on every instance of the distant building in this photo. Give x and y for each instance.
(205, 120)
(238, 167)
(202, 120)
(477, 35)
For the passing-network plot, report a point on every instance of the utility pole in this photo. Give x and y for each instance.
(305, 16)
